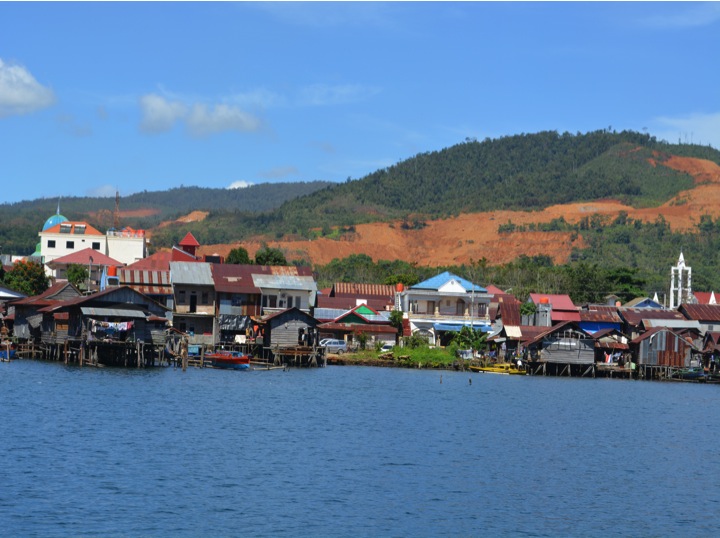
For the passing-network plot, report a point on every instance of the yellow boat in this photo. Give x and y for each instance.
(508, 369)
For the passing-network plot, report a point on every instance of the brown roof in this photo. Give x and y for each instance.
(349, 289)
(510, 312)
(701, 312)
(600, 313)
(161, 260)
(235, 278)
(635, 316)
(46, 297)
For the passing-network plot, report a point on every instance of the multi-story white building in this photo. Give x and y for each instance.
(60, 237)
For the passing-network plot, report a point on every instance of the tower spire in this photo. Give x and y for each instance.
(116, 215)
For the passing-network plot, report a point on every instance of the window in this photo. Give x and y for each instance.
(290, 301)
(51, 243)
(69, 244)
(96, 245)
(181, 297)
(269, 301)
(204, 298)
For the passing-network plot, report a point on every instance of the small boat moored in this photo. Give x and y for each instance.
(507, 369)
(233, 360)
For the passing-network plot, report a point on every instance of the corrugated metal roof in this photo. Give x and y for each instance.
(672, 323)
(285, 282)
(350, 289)
(607, 314)
(197, 273)
(635, 316)
(701, 312)
(328, 314)
(112, 312)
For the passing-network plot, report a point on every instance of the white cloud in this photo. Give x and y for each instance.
(20, 93)
(280, 172)
(695, 128)
(240, 185)
(693, 15)
(204, 121)
(322, 94)
(101, 191)
(159, 114)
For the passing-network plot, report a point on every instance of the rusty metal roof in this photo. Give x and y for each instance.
(701, 312)
(635, 316)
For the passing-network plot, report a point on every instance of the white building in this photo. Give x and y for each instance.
(60, 237)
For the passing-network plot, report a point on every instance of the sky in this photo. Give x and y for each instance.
(99, 97)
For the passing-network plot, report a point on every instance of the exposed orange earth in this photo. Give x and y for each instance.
(475, 236)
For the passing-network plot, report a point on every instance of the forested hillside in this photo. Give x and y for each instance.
(526, 172)
(21, 221)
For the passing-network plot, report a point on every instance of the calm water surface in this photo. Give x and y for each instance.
(347, 451)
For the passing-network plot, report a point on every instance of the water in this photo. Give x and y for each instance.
(352, 451)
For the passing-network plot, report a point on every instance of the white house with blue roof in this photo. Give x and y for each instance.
(442, 305)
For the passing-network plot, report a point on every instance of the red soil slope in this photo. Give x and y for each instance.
(475, 236)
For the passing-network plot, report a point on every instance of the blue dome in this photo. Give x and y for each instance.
(54, 221)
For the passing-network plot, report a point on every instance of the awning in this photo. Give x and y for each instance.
(113, 312)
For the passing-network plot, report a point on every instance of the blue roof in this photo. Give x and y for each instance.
(53, 221)
(440, 280)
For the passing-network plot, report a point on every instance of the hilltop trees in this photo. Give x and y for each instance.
(238, 256)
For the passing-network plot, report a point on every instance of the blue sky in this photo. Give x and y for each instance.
(137, 96)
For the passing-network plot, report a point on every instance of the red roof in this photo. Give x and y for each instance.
(83, 256)
(558, 302)
(189, 241)
(703, 297)
(160, 261)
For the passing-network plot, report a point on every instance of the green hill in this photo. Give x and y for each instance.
(522, 172)
(21, 221)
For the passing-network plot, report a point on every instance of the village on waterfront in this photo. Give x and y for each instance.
(176, 307)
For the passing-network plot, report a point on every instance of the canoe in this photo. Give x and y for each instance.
(506, 369)
(229, 359)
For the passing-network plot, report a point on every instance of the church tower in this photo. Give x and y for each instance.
(680, 283)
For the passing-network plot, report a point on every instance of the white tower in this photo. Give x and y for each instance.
(680, 283)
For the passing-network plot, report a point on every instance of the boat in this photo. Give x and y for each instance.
(233, 360)
(6, 354)
(508, 369)
(690, 373)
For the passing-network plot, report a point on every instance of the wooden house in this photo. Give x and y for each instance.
(116, 314)
(664, 347)
(28, 322)
(564, 344)
(194, 299)
(285, 329)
